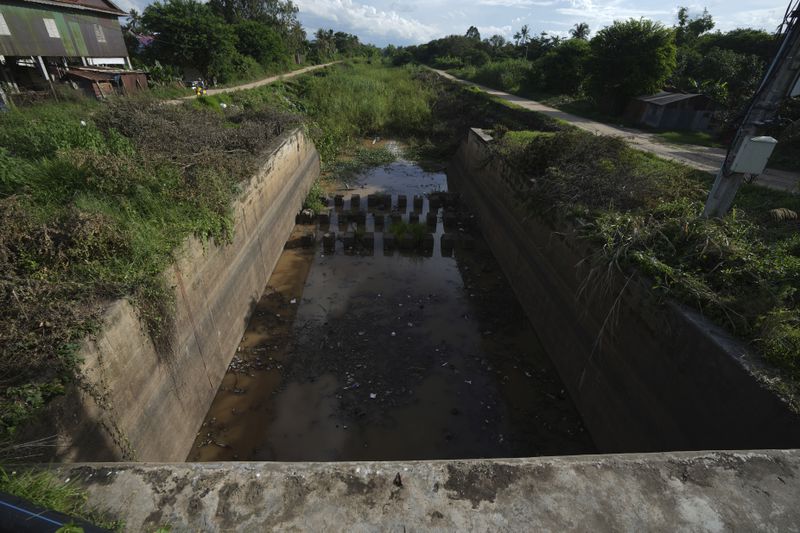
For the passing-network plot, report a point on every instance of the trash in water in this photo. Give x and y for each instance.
(373, 395)
(293, 301)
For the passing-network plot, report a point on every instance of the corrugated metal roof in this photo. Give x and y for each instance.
(664, 97)
(102, 6)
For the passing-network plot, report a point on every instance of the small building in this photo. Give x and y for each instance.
(672, 111)
(40, 40)
(103, 82)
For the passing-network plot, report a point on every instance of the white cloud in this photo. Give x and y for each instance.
(517, 3)
(488, 31)
(362, 18)
(605, 12)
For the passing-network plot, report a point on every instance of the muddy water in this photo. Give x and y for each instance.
(373, 354)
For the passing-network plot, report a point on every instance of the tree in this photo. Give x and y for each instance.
(186, 33)
(689, 29)
(522, 38)
(261, 42)
(629, 59)
(473, 33)
(496, 42)
(562, 69)
(580, 31)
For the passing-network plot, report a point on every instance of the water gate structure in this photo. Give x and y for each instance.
(426, 355)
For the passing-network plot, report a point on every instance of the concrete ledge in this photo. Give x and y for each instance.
(645, 377)
(139, 401)
(691, 491)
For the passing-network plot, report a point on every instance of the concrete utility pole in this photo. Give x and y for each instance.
(747, 151)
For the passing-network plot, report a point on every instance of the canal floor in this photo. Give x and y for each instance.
(373, 354)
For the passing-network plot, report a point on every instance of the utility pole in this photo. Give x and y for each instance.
(747, 151)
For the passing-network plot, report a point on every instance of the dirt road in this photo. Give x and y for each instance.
(259, 83)
(700, 157)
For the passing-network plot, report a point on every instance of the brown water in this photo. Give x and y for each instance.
(385, 355)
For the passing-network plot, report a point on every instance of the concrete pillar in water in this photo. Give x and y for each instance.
(329, 241)
(427, 244)
(368, 241)
(431, 218)
(450, 219)
(448, 241)
(349, 240)
(355, 201)
(324, 219)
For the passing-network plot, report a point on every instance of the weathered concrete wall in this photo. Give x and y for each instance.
(709, 491)
(139, 402)
(645, 377)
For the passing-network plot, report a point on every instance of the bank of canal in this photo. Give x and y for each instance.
(375, 353)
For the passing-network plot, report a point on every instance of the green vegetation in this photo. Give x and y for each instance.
(696, 138)
(93, 201)
(596, 77)
(644, 214)
(629, 59)
(227, 41)
(44, 489)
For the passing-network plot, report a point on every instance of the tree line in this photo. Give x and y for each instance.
(623, 60)
(228, 40)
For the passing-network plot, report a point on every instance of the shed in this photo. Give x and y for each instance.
(105, 82)
(672, 111)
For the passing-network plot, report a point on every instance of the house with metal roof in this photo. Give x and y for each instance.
(41, 39)
(672, 111)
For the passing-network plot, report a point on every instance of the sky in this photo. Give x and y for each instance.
(404, 22)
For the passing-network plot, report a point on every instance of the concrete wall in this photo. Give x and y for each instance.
(138, 402)
(709, 491)
(645, 376)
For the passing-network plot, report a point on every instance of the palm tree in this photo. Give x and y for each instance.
(580, 31)
(525, 37)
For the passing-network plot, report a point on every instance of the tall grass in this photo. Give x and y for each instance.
(93, 201)
(645, 215)
(511, 75)
(348, 102)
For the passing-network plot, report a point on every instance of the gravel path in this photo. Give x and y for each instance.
(699, 157)
(254, 84)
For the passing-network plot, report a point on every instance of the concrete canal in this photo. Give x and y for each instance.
(401, 339)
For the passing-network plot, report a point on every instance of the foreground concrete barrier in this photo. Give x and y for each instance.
(709, 491)
(645, 376)
(140, 401)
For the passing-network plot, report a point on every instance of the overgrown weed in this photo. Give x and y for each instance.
(645, 215)
(93, 201)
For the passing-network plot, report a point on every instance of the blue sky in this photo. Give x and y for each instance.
(415, 21)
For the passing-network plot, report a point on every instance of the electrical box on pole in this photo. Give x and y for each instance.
(753, 155)
(748, 153)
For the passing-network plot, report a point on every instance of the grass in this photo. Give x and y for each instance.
(45, 489)
(695, 138)
(94, 199)
(644, 215)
